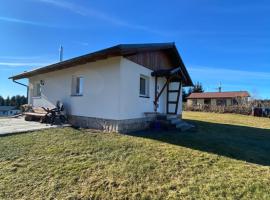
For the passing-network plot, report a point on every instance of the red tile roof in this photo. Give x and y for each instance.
(209, 95)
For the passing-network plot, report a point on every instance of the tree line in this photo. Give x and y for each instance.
(198, 88)
(16, 101)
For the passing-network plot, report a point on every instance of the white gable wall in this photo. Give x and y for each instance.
(100, 91)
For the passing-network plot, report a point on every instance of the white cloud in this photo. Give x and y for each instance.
(22, 21)
(88, 12)
(11, 61)
(85, 12)
(19, 64)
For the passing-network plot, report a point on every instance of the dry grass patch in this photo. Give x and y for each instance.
(216, 162)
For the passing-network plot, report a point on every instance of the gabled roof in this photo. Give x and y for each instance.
(118, 50)
(209, 95)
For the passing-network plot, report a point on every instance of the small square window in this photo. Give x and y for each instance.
(77, 86)
(221, 102)
(144, 86)
(37, 90)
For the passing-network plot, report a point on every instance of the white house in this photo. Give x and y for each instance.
(115, 88)
(6, 111)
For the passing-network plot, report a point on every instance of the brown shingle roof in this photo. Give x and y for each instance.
(118, 50)
(209, 95)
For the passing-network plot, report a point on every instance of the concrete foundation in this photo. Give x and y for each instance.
(110, 125)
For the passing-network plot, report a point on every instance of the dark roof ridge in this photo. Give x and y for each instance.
(231, 94)
(117, 50)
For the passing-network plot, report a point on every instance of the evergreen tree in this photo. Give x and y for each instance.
(198, 88)
(185, 95)
(12, 101)
(23, 100)
(16, 101)
(7, 101)
(2, 101)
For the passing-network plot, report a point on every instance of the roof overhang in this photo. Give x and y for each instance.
(176, 75)
(118, 50)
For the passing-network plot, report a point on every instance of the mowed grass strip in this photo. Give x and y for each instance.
(211, 163)
(231, 119)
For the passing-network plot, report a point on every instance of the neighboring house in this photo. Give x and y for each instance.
(218, 98)
(114, 88)
(6, 111)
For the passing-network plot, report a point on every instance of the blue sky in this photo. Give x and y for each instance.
(224, 41)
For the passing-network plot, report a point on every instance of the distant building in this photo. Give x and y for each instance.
(8, 111)
(218, 98)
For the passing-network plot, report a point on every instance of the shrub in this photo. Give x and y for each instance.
(238, 109)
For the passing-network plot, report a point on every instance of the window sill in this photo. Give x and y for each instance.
(38, 97)
(76, 95)
(147, 97)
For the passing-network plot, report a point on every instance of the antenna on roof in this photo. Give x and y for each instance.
(61, 51)
(219, 87)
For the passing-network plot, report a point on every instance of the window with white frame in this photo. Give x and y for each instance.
(77, 86)
(144, 86)
(37, 89)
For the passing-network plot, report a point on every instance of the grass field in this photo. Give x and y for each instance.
(228, 157)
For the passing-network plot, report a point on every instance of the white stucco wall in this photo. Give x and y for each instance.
(100, 92)
(111, 90)
(132, 105)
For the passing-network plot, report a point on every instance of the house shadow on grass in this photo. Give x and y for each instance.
(237, 142)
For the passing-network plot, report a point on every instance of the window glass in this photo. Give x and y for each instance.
(77, 85)
(221, 102)
(144, 86)
(37, 90)
(207, 101)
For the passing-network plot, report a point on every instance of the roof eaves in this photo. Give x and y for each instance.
(117, 50)
(182, 65)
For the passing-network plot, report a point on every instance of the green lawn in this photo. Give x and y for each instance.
(227, 157)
